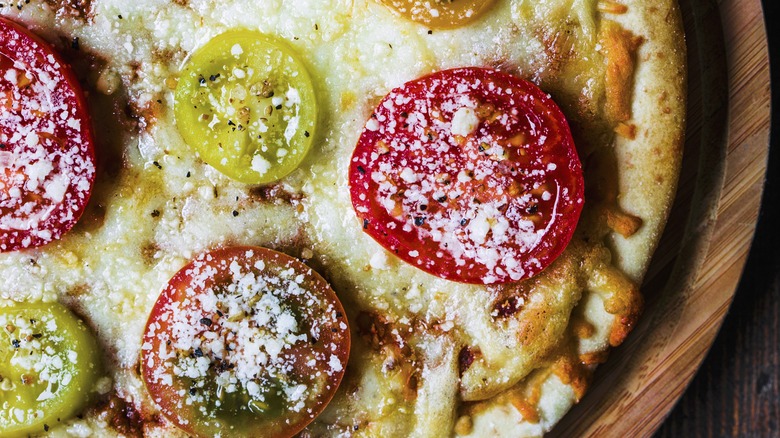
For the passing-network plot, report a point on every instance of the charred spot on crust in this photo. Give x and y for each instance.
(123, 416)
(507, 307)
(81, 9)
(79, 290)
(148, 252)
(275, 194)
(465, 359)
(510, 298)
(373, 328)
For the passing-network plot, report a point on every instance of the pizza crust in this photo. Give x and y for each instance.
(650, 163)
(472, 372)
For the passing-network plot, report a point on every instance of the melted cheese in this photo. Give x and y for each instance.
(164, 205)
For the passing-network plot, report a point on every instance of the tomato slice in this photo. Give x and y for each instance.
(440, 14)
(47, 158)
(469, 174)
(245, 341)
(49, 363)
(246, 104)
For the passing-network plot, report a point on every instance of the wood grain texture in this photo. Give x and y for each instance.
(699, 263)
(736, 393)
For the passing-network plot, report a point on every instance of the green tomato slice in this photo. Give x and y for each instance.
(245, 342)
(246, 104)
(49, 364)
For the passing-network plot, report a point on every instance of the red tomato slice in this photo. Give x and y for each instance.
(469, 174)
(245, 341)
(47, 158)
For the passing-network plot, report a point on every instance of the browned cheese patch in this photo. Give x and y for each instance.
(619, 46)
(81, 9)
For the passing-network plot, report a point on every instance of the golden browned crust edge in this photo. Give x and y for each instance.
(649, 164)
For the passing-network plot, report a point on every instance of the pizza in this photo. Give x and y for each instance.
(326, 217)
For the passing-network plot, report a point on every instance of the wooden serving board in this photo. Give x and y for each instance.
(698, 264)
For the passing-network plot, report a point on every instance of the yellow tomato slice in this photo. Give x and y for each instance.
(49, 364)
(246, 104)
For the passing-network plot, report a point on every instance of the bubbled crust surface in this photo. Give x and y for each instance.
(524, 352)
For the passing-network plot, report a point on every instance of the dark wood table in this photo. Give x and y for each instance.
(736, 393)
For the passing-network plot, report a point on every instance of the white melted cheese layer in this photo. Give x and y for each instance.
(357, 51)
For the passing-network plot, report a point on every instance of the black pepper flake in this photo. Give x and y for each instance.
(45, 427)
(16, 343)
(220, 313)
(193, 391)
(159, 100)
(201, 80)
(230, 122)
(440, 199)
(365, 224)
(423, 207)
(235, 213)
(213, 78)
(189, 174)
(355, 427)
(430, 32)
(198, 352)
(463, 222)
(3, 146)
(361, 170)
(75, 43)
(482, 148)
(120, 16)
(339, 314)
(306, 133)
(155, 213)
(157, 165)
(316, 27)
(313, 340)
(37, 335)
(404, 114)
(279, 107)
(532, 209)
(205, 321)
(419, 221)
(334, 330)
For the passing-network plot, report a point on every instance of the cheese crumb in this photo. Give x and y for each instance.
(464, 122)
(260, 164)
